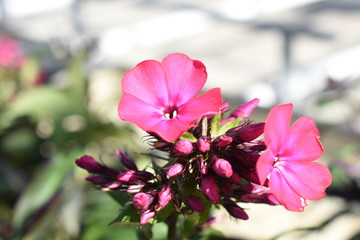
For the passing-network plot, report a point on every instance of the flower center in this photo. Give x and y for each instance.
(170, 113)
(276, 162)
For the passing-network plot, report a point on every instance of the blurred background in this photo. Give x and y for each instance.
(61, 63)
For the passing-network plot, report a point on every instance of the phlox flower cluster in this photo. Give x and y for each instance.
(213, 158)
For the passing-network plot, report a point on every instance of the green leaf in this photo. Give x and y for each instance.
(121, 197)
(228, 125)
(188, 136)
(127, 214)
(165, 213)
(215, 125)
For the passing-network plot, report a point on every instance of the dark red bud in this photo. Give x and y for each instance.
(126, 160)
(236, 211)
(250, 132)
(88, 163)
(209, 188)
(195, 204)
(222, 141)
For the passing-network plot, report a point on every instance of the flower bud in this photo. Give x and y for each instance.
(111, 185)
(235, 178)
(142, 201)
(126, 160)
(209, 188)
(236, 211)
(195, 204)
(203, 144)
(165, 196)
(250, 132)
(95, 179)
(222, 168)
(175, 170)
(88, 163)
(132, 176)
(183, 147)
(243, 111)
(222, 141)
(146, 216)
(226, 187)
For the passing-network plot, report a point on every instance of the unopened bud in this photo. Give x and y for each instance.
(88, 163)
(132, 176)
(183, 147)
(235, 178)
(165, 196)
(203, 144)
(250, 132)
(222, 141)
(209, 188)
(236, 211)
(243, 111)
(195, 204)
(222, 168)
(97, 179)
(142, 201)
(175, 170)
(126, 160)
(111, 186)
(146, 216)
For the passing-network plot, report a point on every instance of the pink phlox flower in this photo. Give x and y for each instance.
(243, 111)
(288, 162)
(11, 54)
(159, 97)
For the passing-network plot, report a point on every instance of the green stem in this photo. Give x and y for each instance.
(171, 222)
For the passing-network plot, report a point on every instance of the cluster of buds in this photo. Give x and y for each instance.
(221, 170)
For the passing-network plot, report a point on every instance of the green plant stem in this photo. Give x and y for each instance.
(171, 222)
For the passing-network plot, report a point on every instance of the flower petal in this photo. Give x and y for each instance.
(185, 77)
(141, 113)
(147, 82)
(302, 142)
(276, 125)
(264, 165)
(284, 193)
(208, 103)
(308, 180)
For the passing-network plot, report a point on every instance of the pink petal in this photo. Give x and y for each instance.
(302, 142)
(185, 77)
(276, 126)
(170, 129)
(139, 112)
(147, 82)
(208, 103)
(284, 193)
(243, 111)
(264, 165)
(308, 180)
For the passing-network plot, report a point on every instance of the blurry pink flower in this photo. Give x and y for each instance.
(11, 54)
(243, 111)
(288, 162)
(160, 97)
